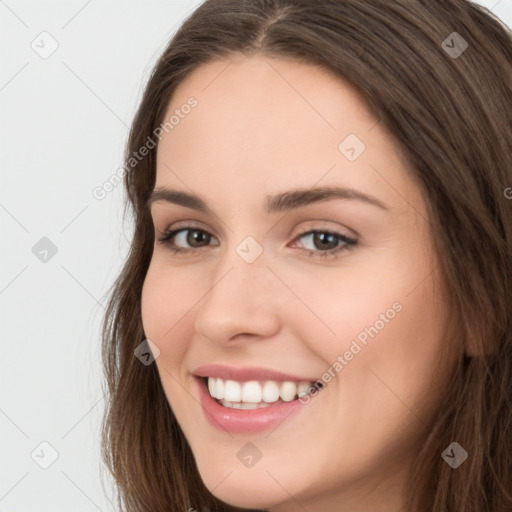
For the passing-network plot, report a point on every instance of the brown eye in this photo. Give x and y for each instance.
(326, 243)
(196, 237)
(324, 240)
(185, 239)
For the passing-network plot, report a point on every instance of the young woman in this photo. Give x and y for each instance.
(315, 313)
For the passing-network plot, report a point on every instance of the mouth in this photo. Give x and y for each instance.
(256, 394)
(251, 399)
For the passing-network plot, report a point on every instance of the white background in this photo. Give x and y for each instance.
(64, 123)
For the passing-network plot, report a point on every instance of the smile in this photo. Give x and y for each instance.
(250, 399)
(255, 394)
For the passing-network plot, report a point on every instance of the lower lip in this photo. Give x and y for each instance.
(244, 420)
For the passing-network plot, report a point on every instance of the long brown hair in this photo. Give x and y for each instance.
(451, 116)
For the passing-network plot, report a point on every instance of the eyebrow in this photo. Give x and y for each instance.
(281, 202)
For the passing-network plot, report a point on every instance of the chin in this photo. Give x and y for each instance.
(243, 489)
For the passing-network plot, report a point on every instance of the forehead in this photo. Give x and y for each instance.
(262, 124)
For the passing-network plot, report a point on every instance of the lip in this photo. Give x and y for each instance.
(239, 420)
(247, 373)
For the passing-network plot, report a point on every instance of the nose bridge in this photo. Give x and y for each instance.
(241, 298)
(242, 272)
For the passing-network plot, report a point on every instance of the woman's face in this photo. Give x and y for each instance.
(280, 285)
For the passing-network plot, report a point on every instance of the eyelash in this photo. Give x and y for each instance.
(349, 243)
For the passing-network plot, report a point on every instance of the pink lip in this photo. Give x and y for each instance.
(245, 374)
(239, 420)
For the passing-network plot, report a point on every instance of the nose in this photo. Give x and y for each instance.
(242, 302)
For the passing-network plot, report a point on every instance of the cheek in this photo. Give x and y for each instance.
(337, 308)
(388, 322)
(166, 304)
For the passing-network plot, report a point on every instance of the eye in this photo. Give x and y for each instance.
(188, 235)
(329, 242)
(322, 243)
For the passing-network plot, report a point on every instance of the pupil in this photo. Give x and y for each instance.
(195, 237)
(324, 239)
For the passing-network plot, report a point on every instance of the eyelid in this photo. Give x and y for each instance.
(191, 224)
(323, 225)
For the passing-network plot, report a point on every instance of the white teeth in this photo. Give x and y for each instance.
(219, 388)
(212, 388)
(232, 391)
(303, 389)
(270, 391)
(251, 392)
(243, 405)
(288, 391)
(254, 394)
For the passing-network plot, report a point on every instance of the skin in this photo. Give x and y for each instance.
(264, 126)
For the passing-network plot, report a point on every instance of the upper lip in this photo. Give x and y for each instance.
(246, 373)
